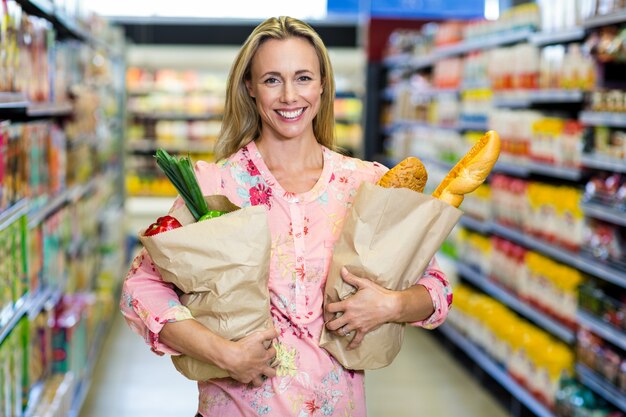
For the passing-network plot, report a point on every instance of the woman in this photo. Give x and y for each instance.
(275, 149)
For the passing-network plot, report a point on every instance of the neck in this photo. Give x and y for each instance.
(295, 164)
(291, 156)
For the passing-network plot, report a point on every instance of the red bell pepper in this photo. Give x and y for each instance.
(163, 224)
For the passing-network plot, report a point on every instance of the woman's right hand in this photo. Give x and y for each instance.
(247, 360)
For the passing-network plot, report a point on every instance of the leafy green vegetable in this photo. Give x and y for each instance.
(181, 174)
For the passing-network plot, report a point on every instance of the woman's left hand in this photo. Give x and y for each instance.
(364, 311)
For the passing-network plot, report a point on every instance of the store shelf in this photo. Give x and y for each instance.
(12, 316)
(49, 109)
(27, 305)
(564, 173)
(609, 19)
(553, 38)
(14, 212)
(153, 206)
(602, 212)
(432, 163)
(594, 118)
(398, 60)
(525, 99)
(175, 116)
(502, 295)
(476, 85)
(421, 62)
(599, 327)
(492, 41)
(48, 296)
(151, 145)
(24, 109)
(572, 259)
(511, 169)
(13, 101)
(601, 387)
(597, 161)
(436, 92)
(482, 227)
(474, 125)
(495, 371)
(54, 203)
(415, 124)
(64, 26)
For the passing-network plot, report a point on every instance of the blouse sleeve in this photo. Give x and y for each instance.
(440, 290)
(148, 302)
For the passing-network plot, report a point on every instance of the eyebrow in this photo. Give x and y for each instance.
(276, 73)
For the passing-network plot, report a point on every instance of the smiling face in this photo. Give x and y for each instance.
(286, 84)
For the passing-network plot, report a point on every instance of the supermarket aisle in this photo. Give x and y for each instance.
(130, 381)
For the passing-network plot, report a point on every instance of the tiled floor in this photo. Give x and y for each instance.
(130, 381)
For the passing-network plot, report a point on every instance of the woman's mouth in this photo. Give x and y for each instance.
(292, 114)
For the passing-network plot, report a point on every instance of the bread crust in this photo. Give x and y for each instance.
(409, 173)
(471, 171)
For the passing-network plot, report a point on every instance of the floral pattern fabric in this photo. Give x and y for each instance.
(304, 228)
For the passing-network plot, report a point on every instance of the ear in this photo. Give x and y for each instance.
(249, 87)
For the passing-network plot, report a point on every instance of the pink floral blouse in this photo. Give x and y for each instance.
(304, 228)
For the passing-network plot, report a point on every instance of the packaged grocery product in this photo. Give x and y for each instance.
(605, 241)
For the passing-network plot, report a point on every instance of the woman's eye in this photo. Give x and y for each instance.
(271, 80)
(305, 78)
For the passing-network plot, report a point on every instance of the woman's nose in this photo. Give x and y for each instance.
(289, 93)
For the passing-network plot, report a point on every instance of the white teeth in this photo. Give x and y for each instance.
(290, 114)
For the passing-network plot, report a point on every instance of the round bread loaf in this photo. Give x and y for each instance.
(470, 171)
(410, 173)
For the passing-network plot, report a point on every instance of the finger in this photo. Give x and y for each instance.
(269, 334)
(352, 279)
(342, 331)
(270, 353)
(269, 372)
(336, 307)
(337, 323)
(349, 277)
(257, 381)
(356, 341)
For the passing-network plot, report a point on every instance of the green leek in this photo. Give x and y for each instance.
(181, 174)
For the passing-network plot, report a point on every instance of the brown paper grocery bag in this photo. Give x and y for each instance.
(389, 236)
(222, 267)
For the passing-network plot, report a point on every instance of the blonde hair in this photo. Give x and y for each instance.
(241, 122)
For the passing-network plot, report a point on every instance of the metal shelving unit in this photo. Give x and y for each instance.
(602, 212)
(151, 145)
(601, 387)
(605, 330)
(553, 38)
(602, 162)
(492, 41)
(547, 323)
(593, 118)
(567, 257)
(610, 19)
(175, 116)
(495, 371)
(542, 99)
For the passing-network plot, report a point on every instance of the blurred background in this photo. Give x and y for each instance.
(89, 90)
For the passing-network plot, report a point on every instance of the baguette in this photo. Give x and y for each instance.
(409, 173)
(470, 171)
